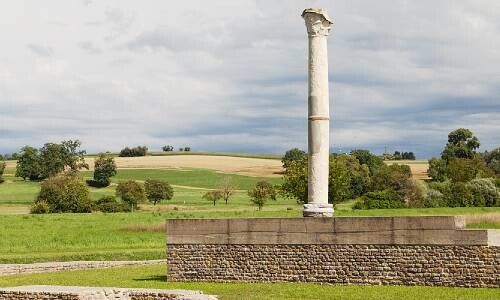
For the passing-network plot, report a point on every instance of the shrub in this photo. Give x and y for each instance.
(2, 169)
(157, 190)
(261, 193)
(109, 204)
(492, 160)
(40, 207)
(461, 195)
(437, 169)
(131, 192)
(484, 192)
(464, 170)
(65, 192)
(133, 152)
(434, 198)
(380, 200)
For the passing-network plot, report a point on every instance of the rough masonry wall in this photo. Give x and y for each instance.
(460, 266)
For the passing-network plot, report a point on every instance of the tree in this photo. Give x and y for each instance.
(29, 164)
(158, 190)
(187, 149)
(464, 170)
(131, 192)
(365, 157)
(294, 154)
(295, 180)
(437, 169)
(55, 158)
(492, 160)
(65, 192)
(134, 152)
(104, 169)
(2, 169)
(227, 188)
(167, 148)
(484, 192)
(212, 196)
(261, 193)
(397, 155)
(461, 144)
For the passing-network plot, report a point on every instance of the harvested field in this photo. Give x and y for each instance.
(418, 167)
(224, 164)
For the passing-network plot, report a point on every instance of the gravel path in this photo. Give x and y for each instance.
(43, 292)
(15, 269)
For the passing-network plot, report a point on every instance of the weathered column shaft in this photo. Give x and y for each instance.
(318, 26)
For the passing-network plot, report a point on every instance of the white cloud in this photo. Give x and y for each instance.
(231, 75)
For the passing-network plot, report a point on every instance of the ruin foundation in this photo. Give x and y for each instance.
(431, 251)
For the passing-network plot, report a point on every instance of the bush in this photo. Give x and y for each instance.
(492, 160)
(109, 204)
(461, 195)
(437, 169)
(2, 169)
(104, 169)
(40, 207)
(157, 190)
(65, 193)
(464, 170)
(380, 200)
(133, 152)
(484, 192)
(131, 192)
(434, 198)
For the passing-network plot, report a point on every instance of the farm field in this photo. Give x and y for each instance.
(154, 277)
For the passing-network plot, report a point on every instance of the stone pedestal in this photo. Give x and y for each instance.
(318, 25)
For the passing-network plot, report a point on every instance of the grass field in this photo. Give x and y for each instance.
(97, 236)
(155, 277)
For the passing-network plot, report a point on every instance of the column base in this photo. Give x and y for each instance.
(317, 210)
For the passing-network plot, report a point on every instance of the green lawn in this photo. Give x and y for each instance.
(154, 276)
(97, 236)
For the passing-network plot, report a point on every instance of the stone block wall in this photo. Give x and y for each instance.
(432, 251)
(462, 266)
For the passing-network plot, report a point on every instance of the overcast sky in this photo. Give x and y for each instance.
(232, 75)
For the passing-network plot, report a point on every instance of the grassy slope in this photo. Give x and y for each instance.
(154, 277)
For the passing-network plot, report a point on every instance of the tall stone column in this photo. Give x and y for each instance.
(318, 26)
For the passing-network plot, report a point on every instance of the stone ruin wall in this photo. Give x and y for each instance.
(430, 251)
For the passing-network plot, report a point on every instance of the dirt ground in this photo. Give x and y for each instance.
(225, 164)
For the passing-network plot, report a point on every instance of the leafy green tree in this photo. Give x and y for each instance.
(261, 193)
(104, 169)
(158, 190)
(65, 192)
(133, 152)
(55, 158)
(464, 170)
(131, 192)
(294, 154)
(339, 180)
(492, 160)
(461, 144)
(295, 180)
(437, 169)
(212, 196)
(167, 148)
(29, 164)
(365, 157)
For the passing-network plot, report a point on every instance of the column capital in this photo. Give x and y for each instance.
(317, 21)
